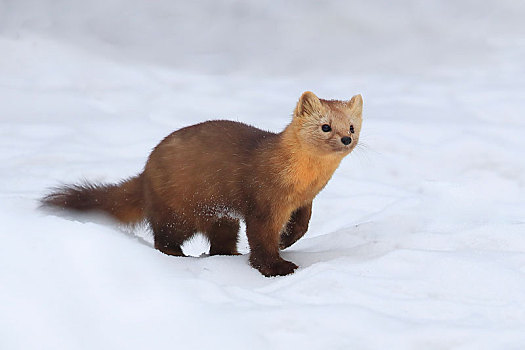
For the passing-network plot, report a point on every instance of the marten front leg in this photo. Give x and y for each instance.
(263, 233)
(296, 226)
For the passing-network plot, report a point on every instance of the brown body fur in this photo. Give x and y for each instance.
(204, 177)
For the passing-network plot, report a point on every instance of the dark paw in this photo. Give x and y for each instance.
(285, 242)
(276, 268)
(224, 252)
(174, 251)
(289, 238)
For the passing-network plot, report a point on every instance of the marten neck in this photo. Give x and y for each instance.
(299, 167)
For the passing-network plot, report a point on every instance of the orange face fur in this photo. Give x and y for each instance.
(313, 153)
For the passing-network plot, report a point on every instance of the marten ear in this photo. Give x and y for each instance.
(308, 105)
(356, 104)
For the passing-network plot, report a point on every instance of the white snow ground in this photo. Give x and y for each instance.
(418, 242)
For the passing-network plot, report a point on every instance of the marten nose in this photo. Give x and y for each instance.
(346, 140)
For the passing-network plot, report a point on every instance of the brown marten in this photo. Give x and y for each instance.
(205, 177)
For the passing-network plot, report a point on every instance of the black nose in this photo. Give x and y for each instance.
(346, 140)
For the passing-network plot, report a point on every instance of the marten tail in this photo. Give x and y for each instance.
(123, 201)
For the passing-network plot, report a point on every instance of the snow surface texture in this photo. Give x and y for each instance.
(417, 242)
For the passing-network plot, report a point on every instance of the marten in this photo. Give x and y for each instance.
(205, 177)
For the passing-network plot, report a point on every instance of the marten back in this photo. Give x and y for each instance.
(209, 169)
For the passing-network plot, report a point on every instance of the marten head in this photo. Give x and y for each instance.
(327, 126)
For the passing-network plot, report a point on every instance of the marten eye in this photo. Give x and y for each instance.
(326, 128)
(352, 129)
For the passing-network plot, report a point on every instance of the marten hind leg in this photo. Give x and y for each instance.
(169, 234)
(223, 235)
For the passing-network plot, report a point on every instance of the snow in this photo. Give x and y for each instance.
(417, 242)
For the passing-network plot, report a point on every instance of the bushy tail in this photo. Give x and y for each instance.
(123, 201)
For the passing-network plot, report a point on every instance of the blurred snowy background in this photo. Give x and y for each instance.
(417, 242)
